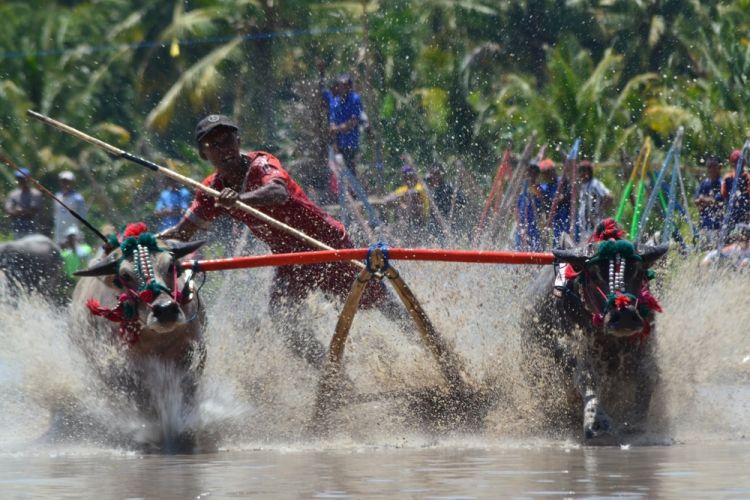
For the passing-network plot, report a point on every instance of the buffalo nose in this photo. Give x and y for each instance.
(166, 311)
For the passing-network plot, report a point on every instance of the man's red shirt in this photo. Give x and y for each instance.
(289, 282)
(298, 212)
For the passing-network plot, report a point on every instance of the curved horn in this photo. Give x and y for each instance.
(574, 257)
(101, 268)
(652, 254)
(181, 248)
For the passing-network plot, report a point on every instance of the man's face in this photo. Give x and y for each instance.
(410, 180)
(714, 171)
(586, 174)
(66, 185)
(548, 175)
(221, 147)
(533, 174)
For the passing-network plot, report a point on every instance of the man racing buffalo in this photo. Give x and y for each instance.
(257, 178)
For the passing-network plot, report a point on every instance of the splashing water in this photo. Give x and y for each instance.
(255, 393)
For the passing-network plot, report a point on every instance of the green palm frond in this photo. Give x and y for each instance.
(194, 22)
(195, 84)
(665, 119)
(604, 77)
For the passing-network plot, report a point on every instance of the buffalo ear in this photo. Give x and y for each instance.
(101, 268)
(651, 254)
(575, 257)
(182, 248)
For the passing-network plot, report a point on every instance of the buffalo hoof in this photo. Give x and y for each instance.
(596, 422)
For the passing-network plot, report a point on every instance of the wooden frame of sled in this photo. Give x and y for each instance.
(449, 364)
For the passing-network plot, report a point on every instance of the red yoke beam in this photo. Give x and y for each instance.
(322, 256)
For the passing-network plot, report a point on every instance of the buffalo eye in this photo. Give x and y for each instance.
(127, 278)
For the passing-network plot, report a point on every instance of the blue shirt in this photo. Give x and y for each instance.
(712, 215)
(528, 204)
(173, 199)
(561, 217)
(341, 110)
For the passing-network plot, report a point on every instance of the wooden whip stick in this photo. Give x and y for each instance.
(119, 153)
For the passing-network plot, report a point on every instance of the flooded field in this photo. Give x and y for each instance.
(62, 433)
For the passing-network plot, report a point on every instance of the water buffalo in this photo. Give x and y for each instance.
(588, 337)
(33, 263)
(134, 311)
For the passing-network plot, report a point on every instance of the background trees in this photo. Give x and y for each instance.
(442, 79)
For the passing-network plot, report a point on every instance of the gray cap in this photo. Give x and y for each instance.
(211, 122)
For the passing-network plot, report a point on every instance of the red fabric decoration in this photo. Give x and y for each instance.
(597, 320)
(146, 296)
(129, 331)
(622, 301)
(649, 300)
(134, 229)
(96, 309)
(570, 273)
(607, 230)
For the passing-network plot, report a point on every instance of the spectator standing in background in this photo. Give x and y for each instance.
(527, 213)
(554, 191)
(411, 203)
(740, 209)
(710, 203)
(450, 201)
(76, 253)
(172, 203)
(72, 198)
(23, 205)
(346, 114)
(594, 198)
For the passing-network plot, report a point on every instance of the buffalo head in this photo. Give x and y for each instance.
(154, 293)
(612, 279)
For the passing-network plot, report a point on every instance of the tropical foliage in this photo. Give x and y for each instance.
(441, 79)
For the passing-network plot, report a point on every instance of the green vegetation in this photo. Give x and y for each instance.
(441, 79)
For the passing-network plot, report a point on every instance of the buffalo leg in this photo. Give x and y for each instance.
(596, 422)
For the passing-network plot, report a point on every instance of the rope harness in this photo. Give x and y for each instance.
(140, 245)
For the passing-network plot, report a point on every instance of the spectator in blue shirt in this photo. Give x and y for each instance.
(527, 209)
(173, 202)
(554, 192)
(345, 116)
(710, 203)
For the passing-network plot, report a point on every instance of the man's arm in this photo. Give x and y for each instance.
(347, 125)
(272, 194)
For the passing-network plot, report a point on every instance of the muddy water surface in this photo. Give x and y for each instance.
(63, 434)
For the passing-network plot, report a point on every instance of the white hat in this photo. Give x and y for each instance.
(72, 231)
(66, 175)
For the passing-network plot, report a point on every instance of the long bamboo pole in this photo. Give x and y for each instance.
(414, 254)
(119, 153)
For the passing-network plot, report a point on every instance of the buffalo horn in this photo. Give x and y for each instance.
(182, 248)
(651, 254)
(573, 257)
(101, 268)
